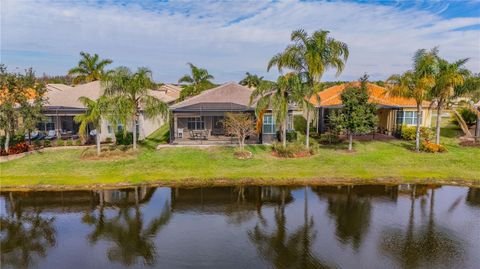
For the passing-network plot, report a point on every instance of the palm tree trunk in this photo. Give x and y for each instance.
(7, 140)
(477, 129)
(307, 140)
(350, 141)
(417, 132)
(134, 132)
(439, 117)
(284, 133)
(97, 138)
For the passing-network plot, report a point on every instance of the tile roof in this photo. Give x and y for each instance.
(330, 97)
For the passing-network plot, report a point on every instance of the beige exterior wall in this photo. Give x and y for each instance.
(387, 119)
(146, 127)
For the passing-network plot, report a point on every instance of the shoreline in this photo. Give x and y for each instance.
(197, 182)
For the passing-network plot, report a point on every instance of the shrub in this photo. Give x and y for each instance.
(291, 136)
(468, 116)
(47, 143)
(300, 124)
(78, 142)
(329, 138)
(18, 148)
(428, 146)
(124, 139)
(14, 139)
(37, 143)
(60, 143)
(292, 150)
(69, 142)
(410, 132)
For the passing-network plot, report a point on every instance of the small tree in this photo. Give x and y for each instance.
(240, 125)
(93, 115)
(357, 115)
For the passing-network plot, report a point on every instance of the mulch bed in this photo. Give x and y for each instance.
(243, 155)
(470, 144)
(302, 154)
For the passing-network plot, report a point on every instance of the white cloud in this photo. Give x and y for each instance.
(227, 38)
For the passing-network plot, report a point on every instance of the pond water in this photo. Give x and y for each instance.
(363, 226)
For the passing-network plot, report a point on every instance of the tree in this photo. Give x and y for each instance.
(357, 115)
(89, 68)
(95, 109)
(448, 77)
(310, 57)
(251, 80)
(471, 89)
(240, 125)
(21, 97)
(277, 96)
(416, 83)
(196, 82)
(130, 94)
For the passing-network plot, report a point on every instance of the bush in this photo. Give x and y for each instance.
(410, 133)
(18, 148)
(60, 143)
(124, 139)
(300, 124)
(468, 116)
(292, 150)
(428, 146)
(329, 138)
(37, 143)
(14, 139)
(69, 142)
(47, 143)
(291, 136)
(78, 142)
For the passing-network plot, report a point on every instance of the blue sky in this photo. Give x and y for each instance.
(231, 38)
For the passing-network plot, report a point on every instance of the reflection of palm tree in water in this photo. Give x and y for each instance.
(424, 245)
(286, 250)
(132, 238)
(24, 235)
(352, 216)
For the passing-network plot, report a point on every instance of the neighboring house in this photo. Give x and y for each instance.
(393, 112)
(199, 119)
(63, 105)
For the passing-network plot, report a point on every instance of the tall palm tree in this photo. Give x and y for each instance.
(89, 68)
(277, 96)
(310, 57)
(196, 82)
(471, 89)
(416, 83)
(130, 95)
(95, 109)
(449, 76)
(251, 80)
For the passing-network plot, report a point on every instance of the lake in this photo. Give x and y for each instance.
(362, 226)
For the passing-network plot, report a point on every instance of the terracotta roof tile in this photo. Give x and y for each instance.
(379, 95)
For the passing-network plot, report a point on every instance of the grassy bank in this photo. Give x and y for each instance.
(372, 160)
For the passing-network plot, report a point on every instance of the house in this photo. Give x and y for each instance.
(63, 105)
(393, 112)
(199, 119)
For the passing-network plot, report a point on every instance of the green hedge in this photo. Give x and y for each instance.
(124, 139)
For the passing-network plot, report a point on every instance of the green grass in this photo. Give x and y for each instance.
(372, 160)
(160, 136)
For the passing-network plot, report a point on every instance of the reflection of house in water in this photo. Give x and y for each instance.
(225, 199)
(73, 201)
(378, 192)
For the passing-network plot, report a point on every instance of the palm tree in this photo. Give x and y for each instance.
(93, 115)
(416, 83)
(130, 94)
(90, 68)
(471, 89)
(277, 96)
(251, 80)
(196, 82)
(449, 76)
(310, 57)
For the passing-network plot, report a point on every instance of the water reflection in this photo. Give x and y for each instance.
(126, 229)
(407, 226)
(425, 244)
(25, 235)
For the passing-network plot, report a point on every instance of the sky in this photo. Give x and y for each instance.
(229, 38)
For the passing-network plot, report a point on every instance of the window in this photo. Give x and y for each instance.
(46, 125)
(268, 124)
(408, 117)
(195, 123)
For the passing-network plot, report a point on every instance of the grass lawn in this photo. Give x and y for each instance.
(372, 160)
